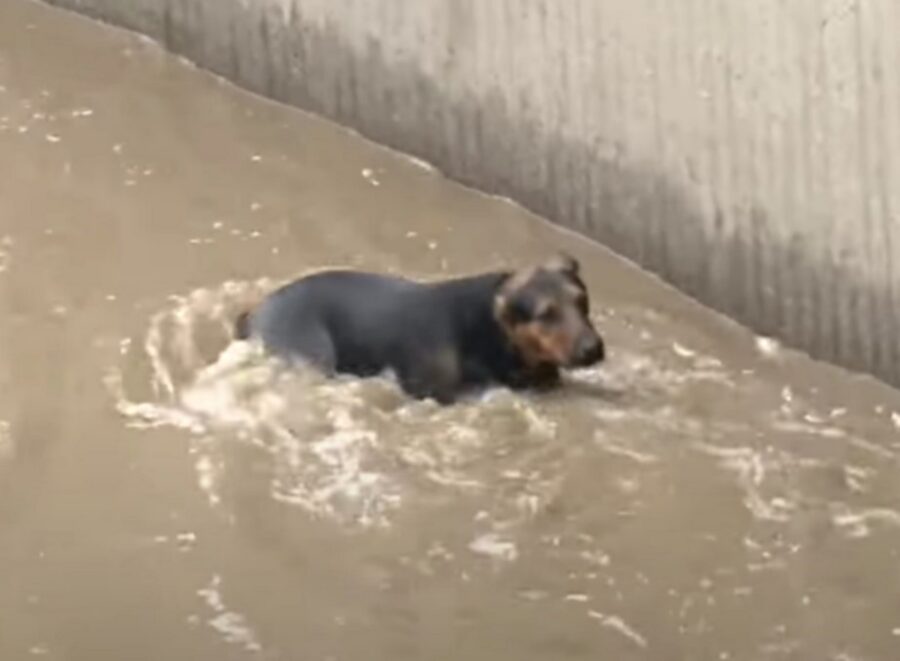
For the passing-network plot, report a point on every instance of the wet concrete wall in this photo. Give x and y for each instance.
(745, 151)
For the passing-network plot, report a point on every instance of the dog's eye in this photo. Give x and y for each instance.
(548, 314)
(518, 312)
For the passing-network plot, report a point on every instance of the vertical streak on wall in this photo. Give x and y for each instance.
(889, 107)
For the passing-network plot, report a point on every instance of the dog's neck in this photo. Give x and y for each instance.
(472, 299)
(483, 334)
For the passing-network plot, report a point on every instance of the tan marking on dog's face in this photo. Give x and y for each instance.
(544, 312)
(540, 347)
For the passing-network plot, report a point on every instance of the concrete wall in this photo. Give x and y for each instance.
(747, 151)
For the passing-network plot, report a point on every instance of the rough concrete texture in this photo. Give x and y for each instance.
(745, 151)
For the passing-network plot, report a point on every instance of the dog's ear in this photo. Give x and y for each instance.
(563, 263)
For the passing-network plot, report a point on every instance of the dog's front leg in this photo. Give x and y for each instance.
(433, 374)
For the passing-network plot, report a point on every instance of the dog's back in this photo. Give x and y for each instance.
(338, 320)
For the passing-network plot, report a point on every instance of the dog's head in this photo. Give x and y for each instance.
(544, 312)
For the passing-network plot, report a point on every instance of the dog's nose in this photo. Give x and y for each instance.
(590, 350)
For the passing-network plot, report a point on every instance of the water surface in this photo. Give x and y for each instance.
(168, 494)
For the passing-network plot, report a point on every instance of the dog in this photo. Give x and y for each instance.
(441, 339)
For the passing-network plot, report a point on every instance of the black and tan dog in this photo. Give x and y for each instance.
(439, 338)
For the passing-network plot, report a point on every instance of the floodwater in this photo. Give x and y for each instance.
(167, 494)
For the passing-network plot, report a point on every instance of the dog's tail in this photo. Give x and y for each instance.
(242, 326)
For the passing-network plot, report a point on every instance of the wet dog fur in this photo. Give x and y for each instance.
(441, 339)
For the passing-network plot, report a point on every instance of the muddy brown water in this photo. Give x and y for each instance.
(167, 494)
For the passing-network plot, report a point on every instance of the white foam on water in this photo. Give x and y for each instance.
(350, 450)
(7, 446)
(622, 450)
(751, 467)
(494, 545)
(6, 244)
(232, 626)
(768, 347)
(858, 523)
(620, 626)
